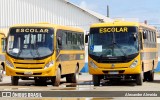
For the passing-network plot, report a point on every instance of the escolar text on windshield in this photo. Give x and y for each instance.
(113, 29)
(35, 30)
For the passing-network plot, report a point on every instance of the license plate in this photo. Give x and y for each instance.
(28, 73)
(113, 72)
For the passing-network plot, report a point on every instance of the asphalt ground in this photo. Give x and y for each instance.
(85, 85)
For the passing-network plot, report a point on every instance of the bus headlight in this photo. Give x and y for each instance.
(9, 64)
(92, 64)
(51, 63)
(134, 64)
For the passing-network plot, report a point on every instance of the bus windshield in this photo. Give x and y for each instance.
(113, 44)
(30, 42)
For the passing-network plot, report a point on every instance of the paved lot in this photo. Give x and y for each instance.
(85, 81)
(84, 84)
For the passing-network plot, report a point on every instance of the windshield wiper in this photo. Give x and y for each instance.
(37, 51)
(31, 52)
(114, 43)
(125, 55)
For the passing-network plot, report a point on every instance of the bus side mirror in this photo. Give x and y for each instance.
(135, 36)
(4, 45)
(59, 41)
(144, 35)
(86, 38)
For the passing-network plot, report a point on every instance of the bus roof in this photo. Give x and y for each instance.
(48, 25)
(4, 31)
(122, 23)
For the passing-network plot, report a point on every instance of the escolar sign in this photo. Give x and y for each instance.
(36, 30)
(113, 29)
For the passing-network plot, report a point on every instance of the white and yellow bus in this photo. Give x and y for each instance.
(44, 51)
(122, 50)
(3, 35)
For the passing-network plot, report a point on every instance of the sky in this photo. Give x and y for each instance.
(138, 9)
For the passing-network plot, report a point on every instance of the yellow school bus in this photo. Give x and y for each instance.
(3, 35)
(44, 51)
(122, 50)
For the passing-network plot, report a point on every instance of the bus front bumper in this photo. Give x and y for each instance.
(105, 71)
(30, 72)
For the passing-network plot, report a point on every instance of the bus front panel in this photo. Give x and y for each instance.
(114, 50)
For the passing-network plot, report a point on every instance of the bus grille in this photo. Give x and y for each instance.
(32, 74)
(29, 63)
(120, 71)
(112, 68)
(28, 68)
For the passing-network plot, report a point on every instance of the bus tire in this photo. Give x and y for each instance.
(139, 79)
(1, 77)
(145, 76)
(1, 73)
(72, 78)
(14, 80)
(96, 80)
(151, 76)
(56, 79)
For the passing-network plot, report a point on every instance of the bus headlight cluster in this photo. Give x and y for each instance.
(134, 64)
(9, 64)
(92, 64)
(51, 63)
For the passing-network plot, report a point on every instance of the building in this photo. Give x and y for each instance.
(53, 11)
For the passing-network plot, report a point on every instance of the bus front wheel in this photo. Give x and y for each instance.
(96, 80)
(56, 79)
(139, 79)
(14, 80)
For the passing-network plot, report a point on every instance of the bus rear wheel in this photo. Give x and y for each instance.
(1, 73)
(56, 79)
(139, 79)
(14, 80)
(96, 80)
(151, 76)
(1, 77)
(72, 78)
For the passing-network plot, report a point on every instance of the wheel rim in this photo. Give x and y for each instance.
(58, 76)
(142, 75)
(76, 73)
